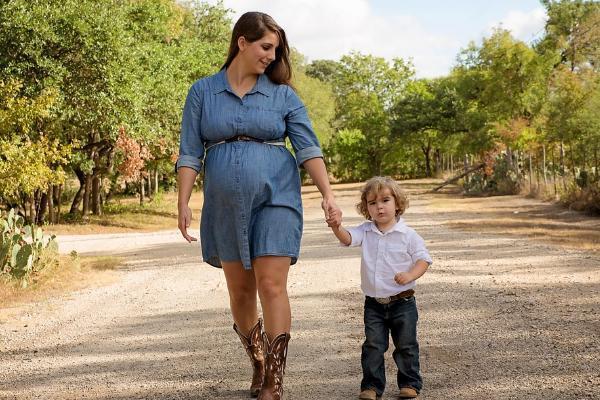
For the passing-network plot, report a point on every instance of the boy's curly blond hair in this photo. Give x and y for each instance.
(376, 185)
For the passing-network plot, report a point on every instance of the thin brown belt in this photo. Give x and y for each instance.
(389, 299)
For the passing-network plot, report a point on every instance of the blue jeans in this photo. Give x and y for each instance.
(400, 319)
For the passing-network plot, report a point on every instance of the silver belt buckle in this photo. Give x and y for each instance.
(383, 300)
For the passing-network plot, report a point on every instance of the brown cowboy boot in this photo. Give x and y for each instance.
(255, 348)
(276, 355)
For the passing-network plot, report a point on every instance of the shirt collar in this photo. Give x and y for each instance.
(400, 226)
(263, 84)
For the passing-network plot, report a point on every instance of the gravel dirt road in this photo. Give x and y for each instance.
(500, 318)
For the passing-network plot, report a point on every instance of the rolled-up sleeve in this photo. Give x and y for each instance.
(300, 131)
(191, 148)
(417, 249)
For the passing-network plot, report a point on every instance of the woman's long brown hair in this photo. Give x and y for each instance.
(253, 26)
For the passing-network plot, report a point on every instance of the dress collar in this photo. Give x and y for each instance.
(263, 84)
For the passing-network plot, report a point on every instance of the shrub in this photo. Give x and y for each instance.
(502, 180)
(24, 249)
(583, 199)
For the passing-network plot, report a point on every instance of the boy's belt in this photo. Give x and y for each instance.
(389, 299)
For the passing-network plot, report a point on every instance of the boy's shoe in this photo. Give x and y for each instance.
(368, 394)
(407, 393)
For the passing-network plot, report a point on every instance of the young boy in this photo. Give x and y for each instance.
(394, 256)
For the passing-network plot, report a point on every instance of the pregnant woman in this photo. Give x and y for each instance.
(234, 125)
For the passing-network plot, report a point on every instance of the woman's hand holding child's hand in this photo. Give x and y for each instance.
(333, 214)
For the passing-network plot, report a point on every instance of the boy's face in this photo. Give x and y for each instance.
(382, 207)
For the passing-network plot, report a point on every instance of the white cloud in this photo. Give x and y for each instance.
(525, 26)
(326, 29)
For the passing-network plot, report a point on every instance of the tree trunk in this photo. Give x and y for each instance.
(23, 206)
(96, 191)
(31, 208)
(443, 156)
(58, 191)
(573, 172)
(584, 160)
(79, 195)
(87, 194)
(51, 215)
(426, 151)
(530, 175)
(141, 189)
(544, 164)
(452, 180)
(554, 173)
(149, 184)
(438, 162)
(466, 166)
(596, 161)
(537, 175)
(451, 164)
(156, 180)
(42, 207)
(562, 164)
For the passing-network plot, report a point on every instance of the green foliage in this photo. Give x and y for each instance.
(503, 83)
(572, 32)
(366, 88)
(568, 98)
(78, 72)
(318, 98)
(346, 152)
(428, 114)
(30, 160)
(323, 70)
(21, 247)
(27, 166)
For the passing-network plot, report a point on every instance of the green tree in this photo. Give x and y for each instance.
(317, 97)
(114, 66)
(323, 70)
(427, 115)
(366, 88)
(572, 32)
(502, 84)
(30, 162)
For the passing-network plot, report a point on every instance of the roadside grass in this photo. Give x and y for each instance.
(516, 216)
(125, 214)
(68, 273)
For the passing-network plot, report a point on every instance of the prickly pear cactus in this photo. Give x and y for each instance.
(21, 246)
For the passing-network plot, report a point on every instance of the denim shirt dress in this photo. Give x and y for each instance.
(252, 205)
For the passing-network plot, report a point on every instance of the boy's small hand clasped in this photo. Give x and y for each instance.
(402, 278)
(333, 214)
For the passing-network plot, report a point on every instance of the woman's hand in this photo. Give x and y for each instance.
(333, 214)
(184, 219)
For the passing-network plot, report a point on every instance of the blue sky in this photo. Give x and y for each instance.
(430, 33)
(465, 18)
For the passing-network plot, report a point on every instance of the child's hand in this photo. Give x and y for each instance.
(335, 219)
(402, 278)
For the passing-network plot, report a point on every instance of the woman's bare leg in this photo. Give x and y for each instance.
(241, 285)
(271, 274)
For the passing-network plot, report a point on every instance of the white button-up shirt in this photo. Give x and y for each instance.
(386, 254)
